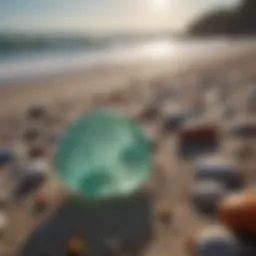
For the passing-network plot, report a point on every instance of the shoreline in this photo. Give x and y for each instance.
(107, 78)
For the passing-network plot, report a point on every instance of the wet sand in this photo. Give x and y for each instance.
(84, 85)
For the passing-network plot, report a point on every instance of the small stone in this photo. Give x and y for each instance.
(174, 122)
(29, 178)
(238, 212)
(150, 113)
(37, 151)
(244, 130)
(6, 156)
(31, 134)
(196, 139)
(206, 195)
(217, 240)
(41, 202)
(219, 169)
(76, 245)
(164, 214)
(190, 245)
(36, 113)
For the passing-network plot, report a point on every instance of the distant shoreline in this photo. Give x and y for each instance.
(50, 64)
(85, 84)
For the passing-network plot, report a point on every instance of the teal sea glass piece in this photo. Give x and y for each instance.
(104, 154)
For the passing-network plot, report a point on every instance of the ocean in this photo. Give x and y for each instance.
(30, 60)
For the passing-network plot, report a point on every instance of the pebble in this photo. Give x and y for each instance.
(36, 113)
(219, 169)
(29, 177)
(238, 212)
(150, 113)
(206, 196)
(200, 131)
(244, 130)
(76, 245)
(216, 241)
(31, 134)
(6, 156)
(196, 139)
(214, 178)
(36, 151)
(174, 122)
(164, 214)
(41, 202)
(29, 184)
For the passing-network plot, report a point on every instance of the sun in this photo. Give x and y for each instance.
(159, 4)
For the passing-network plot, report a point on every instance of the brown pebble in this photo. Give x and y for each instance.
(41, 202)
(237, 211)
(76, 245)
(36, 152)
(149, 114)
(164, 214)
(190, 245)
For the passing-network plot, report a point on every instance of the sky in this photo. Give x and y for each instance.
(103, 16)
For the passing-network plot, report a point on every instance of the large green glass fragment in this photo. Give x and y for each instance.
(104, 154)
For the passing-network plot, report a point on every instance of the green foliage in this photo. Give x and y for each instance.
(240, 21)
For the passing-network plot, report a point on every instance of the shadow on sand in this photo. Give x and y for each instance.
(129, 220)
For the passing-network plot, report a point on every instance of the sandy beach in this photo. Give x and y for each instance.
(105, 79)
(128, 88)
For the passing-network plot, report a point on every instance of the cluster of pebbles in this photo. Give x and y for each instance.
(26, 148)
(213, 130)
(202, 187)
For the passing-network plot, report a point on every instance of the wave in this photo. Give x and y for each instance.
(23, 43)
(20, 43)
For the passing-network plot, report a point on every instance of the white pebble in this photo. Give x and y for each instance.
(207, 194)
(217, 241)
(218, 169)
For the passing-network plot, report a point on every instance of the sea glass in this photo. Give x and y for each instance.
(103, 154)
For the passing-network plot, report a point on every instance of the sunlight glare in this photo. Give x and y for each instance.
(159, 4)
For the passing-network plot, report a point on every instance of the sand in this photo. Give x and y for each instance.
(107, 78)
(127, 88)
